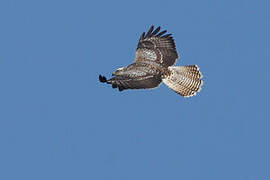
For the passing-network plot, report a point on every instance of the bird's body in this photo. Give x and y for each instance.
(155, 56)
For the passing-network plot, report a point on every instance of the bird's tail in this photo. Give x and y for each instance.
(184, 80)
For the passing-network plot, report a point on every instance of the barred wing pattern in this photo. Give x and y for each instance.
(135, 76)
(144, 82)
(156, 47)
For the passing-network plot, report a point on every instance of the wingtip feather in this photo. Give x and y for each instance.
(102, 79)
(150, 31)
(142, 36)
(161, 33)
(156, 31)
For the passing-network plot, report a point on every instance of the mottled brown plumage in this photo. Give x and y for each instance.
(155, 56)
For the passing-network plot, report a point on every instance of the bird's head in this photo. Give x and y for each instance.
(118, 71)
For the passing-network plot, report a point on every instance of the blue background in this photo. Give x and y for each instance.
(58, 122)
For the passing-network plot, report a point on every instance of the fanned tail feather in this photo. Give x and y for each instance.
(184, 80)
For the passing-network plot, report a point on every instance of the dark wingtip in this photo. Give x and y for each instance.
(161, 33)
(120, 88)
(142, 36)
(156, 31)
(102, 79)
(150, 31)
(114, 86)
(167, 35)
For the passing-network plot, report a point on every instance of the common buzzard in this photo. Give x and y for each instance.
(154, 63)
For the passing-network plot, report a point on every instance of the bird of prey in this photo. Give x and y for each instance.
(155, 57)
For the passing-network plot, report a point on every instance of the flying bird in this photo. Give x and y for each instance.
(155, 57)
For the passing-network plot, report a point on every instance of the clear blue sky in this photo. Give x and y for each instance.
(58, 122)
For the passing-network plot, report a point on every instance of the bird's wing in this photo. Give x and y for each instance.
(128, 82)
(158, 47)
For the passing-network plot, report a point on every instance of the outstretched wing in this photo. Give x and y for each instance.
(127, 82)
(158, 47)
(135, 76)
